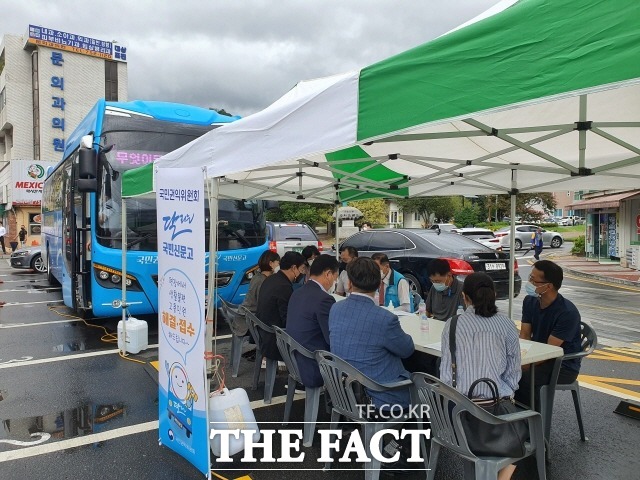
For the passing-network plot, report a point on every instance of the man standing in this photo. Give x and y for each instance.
(536, 243)
(3, 232)
(308, 315)
(347, 255)
(369, 337)
(445, 294)
(273, 300)
(548, 317)
(394, 287)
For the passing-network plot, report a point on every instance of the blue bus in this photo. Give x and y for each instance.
(81, 210)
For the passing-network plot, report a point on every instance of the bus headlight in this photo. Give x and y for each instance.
(108, 277)
(249, 275)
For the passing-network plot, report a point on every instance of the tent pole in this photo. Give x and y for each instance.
(512, 239)
(123, 226)
(337, 203)
(210, 323)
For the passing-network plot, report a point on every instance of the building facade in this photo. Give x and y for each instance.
(49, 80)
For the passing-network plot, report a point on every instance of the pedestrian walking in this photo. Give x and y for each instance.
(22, 235)
(3, 232)
(536, 243)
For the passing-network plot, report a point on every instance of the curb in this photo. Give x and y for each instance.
(593, 276)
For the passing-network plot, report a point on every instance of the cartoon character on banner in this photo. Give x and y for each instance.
(181, 397)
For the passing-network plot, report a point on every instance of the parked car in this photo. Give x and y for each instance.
(481, 235)
(30, 257)
(569, 221)
(291, 237)
(443, 227)
(523, 237)
(410, 251)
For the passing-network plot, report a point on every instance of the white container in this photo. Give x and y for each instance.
(231, 410)
(137, 335)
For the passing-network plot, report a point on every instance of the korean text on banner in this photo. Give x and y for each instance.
(181, 289)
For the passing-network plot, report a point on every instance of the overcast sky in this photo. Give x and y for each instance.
(241, 55)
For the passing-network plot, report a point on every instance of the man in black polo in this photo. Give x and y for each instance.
(548, 317)
(445, 294)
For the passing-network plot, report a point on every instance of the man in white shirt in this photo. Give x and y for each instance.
(3, 232)
(394, 287)
(347, 255)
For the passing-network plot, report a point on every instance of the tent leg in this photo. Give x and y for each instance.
(512, 240)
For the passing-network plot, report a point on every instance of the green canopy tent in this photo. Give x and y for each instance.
(536, 95)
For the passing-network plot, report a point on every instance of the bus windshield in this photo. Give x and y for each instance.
(241, 224)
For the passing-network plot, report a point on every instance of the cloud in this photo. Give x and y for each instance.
(243, 55)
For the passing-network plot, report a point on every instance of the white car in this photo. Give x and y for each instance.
(523, 237)
(481, 235)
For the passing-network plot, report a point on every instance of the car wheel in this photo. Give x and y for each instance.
(518, 244)
(556, 242)
(38, 264)
(414, 284)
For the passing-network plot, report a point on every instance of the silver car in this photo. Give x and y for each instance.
(30, 257)
(523, 237)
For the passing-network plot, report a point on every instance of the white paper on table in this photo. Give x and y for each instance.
(402, 313)
(434, 346)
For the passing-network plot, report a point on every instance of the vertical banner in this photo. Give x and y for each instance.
(182, 392)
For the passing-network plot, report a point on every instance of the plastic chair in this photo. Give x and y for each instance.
(255, 325)
(588, 343)
(231, 312)
(340, 380)
(288, 348)
(446, 406)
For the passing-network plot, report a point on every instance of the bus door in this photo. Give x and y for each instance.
(75, 236)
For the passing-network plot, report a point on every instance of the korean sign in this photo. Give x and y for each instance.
(183, 414)
(71, 42)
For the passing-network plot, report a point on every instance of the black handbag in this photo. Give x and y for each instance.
(485, 439)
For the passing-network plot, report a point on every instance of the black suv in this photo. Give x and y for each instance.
(410, 251)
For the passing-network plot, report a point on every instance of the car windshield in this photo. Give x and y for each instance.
(293, 232)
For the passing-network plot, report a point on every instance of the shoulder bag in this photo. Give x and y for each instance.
(484, 439)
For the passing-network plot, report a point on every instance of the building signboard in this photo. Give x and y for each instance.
(71, 42)
(27, 178)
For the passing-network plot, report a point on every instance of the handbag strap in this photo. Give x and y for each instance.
(452, 348)
(491, 384)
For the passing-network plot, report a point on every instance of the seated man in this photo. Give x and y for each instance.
(446, 291)
(369, 337)
(548, 317)
(347, 255)
(308, 316)
(273, 300)
(394, 287)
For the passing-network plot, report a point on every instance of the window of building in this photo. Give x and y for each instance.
(393, 217)
(111, 81)
(35, 91)
(416, 216)
(3, 98)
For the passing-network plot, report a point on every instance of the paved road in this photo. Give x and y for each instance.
(57, 376)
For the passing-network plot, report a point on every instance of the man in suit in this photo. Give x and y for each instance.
(308, 315)
(273, 300)
(370, 337)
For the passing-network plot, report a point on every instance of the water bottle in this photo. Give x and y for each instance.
(390, 307)
(422, 314)
(460, 310)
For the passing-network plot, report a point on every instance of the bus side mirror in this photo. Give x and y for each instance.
(87, 170)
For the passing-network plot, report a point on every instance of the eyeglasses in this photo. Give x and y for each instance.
(536, 282)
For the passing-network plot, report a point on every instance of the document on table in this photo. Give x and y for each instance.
(402, 313)
(434, 346)
(525, 346)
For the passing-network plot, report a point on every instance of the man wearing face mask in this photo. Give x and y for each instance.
(445, 294)
(273, 299)
(394, 287)
(548, 317)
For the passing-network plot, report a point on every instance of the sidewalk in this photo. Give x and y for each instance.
(609, 273)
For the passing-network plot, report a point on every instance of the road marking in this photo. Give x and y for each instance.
(78, 441)
(604, 385)
(78, 356)
(610, 309)
(17, 304)
(599, 282)
(33, 290)
(35, 324)
(16, 360)
(41, 438)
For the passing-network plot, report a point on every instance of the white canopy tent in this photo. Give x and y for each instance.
(537, 95)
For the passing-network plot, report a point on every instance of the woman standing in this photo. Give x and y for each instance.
(487, 346)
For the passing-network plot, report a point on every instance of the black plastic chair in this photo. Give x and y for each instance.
(288, 348)
(588, 343)
(232, 315)
(340, 380)
(255, 325)
(446, 406)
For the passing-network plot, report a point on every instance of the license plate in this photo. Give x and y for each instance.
(495, 266)
(296, 249)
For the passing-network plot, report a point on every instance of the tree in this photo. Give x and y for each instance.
(373, 210)
(466, 216)
(313, 214)
(525, 203)
(442, 208)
